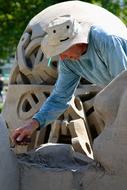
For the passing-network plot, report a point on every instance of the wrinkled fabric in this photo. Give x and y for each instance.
(105, 58)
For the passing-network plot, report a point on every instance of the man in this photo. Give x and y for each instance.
(85, 51)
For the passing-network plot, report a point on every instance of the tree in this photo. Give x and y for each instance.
(15, 15)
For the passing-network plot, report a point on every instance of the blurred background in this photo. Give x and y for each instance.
(14, 17)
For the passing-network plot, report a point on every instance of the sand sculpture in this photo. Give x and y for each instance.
(85, 148)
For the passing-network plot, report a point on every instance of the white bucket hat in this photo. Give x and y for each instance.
(62, 33)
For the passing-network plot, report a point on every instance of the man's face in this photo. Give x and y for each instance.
(74, 52)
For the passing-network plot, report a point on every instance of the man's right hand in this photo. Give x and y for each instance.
(22, 134)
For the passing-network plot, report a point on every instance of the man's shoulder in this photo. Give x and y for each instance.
(99, 37)
(102, 32)
(97, 31)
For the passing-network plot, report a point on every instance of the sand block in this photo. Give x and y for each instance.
(76, 108)
(88, 105)
(32, 62)
(56, 166)
(22, 106)
(9, 176)
(111, 108)
(55, 132)
(52, 166)
(93, 123)
(64, 128)
(80, 139)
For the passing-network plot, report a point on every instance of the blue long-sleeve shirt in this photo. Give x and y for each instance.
(105, 58)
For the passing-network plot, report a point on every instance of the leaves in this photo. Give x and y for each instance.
(15, 15)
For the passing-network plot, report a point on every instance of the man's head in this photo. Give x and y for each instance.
(62, 33)
(74, 52)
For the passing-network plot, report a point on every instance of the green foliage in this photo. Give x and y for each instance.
(1, 106)
(15, 15)
(114, 6)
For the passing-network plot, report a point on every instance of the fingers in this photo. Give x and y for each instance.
(21, 136)
(24, 141)
(16, 134)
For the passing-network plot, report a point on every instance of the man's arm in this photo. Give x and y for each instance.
(60, 97)
(55, 104)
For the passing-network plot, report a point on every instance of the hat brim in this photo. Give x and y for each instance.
(53, 50)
